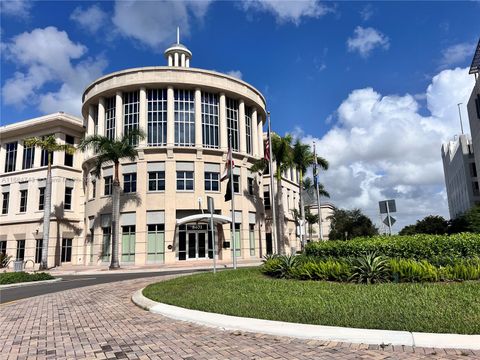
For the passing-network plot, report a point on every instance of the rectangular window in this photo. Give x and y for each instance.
(66, 250)
(184, 180)
(67, 204)
(473, 170)
(266, 197)
(251, 182)
(184, 118)
(236, 184)
(157, 117)
(110, 104)
(130, 183)
(28, 157)
(156, 181)
(95, 120)
(128, 243)
(94, 189)
(210, 120)
(108, 189)
(248, 128)
(38, 251)
(251, 234)
(106, 239)
(44, 154)
(23, 200)
(156, 243)
(41, 198)
(20, 250)
(69, 140)
(477, 105)
(212, 182)
(232, 122)
(5, 202)
(3, 247)
(238, 246)
(10, 156)
(476, 189)
(131, 106)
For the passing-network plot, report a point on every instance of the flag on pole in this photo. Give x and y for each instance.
(267, 148)
(228, 166)
(315, 167)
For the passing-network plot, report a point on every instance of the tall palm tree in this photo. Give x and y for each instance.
(282, 155)
(112, 151)
(309, 186)
(49, 145)
(311, 220)
(303, 158)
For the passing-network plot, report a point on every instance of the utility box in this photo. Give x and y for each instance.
(18, 265)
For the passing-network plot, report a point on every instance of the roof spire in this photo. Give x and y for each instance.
(178, 35)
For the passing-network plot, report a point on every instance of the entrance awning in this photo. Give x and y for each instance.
(217, 219)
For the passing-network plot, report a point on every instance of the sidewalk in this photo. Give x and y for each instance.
(125, 269)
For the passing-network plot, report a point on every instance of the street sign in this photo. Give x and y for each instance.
(392, 220)
(391, 206)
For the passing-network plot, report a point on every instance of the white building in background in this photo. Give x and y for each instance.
(473, 106)
(461, 176)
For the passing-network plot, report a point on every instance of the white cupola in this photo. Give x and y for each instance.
(178, 54)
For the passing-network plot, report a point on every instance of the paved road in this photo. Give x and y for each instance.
(101, 322)
(76, 281)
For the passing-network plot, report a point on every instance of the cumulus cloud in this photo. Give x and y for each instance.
(367, 12)
(154, 22)
(288, 11)
(90, 19)
(16, 8)
(456, 54)
(365, 40)
(235, 73)
(48, 58)
(381, 147)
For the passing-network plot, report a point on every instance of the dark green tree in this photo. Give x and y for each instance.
(432, 224)
(349, 224)
(468, 222)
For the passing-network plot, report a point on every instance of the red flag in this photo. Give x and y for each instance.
(266, 156)
(228, 166)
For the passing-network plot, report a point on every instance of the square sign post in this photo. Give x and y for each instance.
(387, 207)
(211, 209)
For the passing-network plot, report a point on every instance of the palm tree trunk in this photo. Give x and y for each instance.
(280, 214)
(302, 212)
(114, 264)
(47, 207)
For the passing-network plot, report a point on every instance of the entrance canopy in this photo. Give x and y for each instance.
(217, 219)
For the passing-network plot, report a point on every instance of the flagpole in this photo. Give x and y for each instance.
(272, 197)
(234, 246)
(317, 170)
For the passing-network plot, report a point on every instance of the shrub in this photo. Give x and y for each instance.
(370, 269)
(332, 270)
(282, 266)
(18, 277)
(465, 270)
(4, 259)
(408, 270)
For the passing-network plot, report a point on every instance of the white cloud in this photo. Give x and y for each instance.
(45, 59)
(154, 23)
(235, 73)
(365, 40)
(381, 147)
(90, 19)
(367, 12)
(289, 10)
(457, 54)
(16, 8)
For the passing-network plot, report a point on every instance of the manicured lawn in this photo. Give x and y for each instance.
(19, 277)
(429, 307)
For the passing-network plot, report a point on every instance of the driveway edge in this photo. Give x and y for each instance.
(29, 283)
(310, 332)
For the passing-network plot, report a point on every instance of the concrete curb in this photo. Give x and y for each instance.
(305, 331)
(29, 283)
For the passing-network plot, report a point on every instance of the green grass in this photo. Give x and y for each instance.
(429, 307)
(19, 277)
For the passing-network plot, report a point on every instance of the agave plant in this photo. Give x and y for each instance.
(370, 269)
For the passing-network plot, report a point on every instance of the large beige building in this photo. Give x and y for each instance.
(188, 115)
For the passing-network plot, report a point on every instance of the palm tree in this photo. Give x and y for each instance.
(112, 151)
(282, 154)
(49, 145)
(308, 184)
(311, 220)
(303, 158)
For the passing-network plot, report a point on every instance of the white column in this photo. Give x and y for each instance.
(36, 158)
(175, 63)
(260, 136)
(143, 114)
(254, 133)
(187, 62)
(241, 124)
(19, 160)
(101, 116)
(170, 60)
(223, 123)
(182, 57)
(90, 122)
(170, 117)
(119, 115)
(198, 118)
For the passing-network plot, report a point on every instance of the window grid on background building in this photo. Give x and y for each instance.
(41, 198)
(232, 122)
(28, 157)
(156, 181)
(110, 104)
(66, 250)
(212, 182)
(23, 200)
(20, 250)
(10, 156)
(69, 140)
(106, 239)
(128, 243)
(38, 250)
(108, 188)
(184, 118)
(236, 184)
(184, 180)
(3, 247)
(157, 117)
(131, 106)
(130, 183)
(44, 154)
(248, 129)
(210, 120)
(67, 203)
(5, 202)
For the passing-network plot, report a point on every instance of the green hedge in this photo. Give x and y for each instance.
(437, 249)
(19, 277)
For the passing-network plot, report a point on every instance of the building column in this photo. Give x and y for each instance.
(187, 62)
(182, 62)
(90, 127)
(101, 116)
(223, 123)
(170, 60)
(198, 118)
(260, 137)
(142, 115)
(19, 159)
(119, 115)
(254, 132)
(175, 62)
(242, 131)
(170, 117)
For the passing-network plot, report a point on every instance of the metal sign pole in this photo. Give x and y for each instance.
(389, 220)
(211, 208)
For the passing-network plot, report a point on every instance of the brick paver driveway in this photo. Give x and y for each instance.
(101, 322)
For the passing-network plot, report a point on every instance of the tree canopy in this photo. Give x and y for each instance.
(349, 224)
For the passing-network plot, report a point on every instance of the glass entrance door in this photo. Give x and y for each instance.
(201, 245)
(194, 242)
(192, 245)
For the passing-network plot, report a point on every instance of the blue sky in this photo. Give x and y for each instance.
(318, 64)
